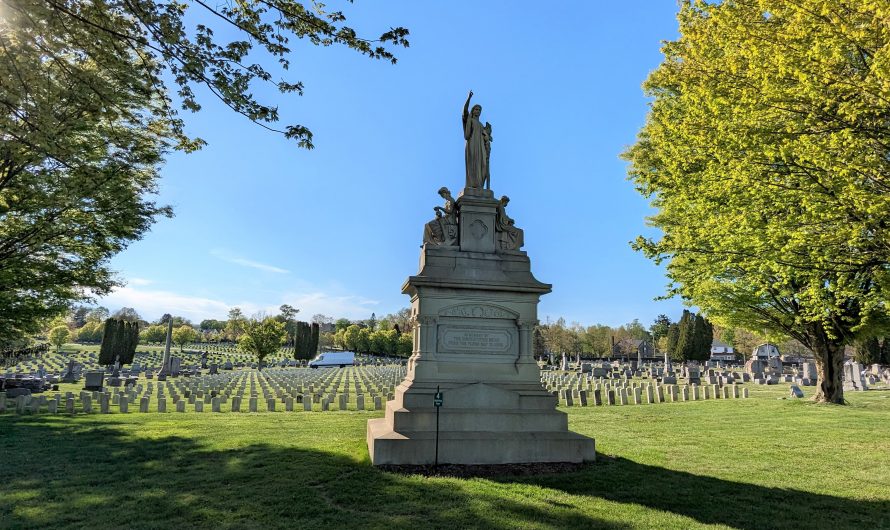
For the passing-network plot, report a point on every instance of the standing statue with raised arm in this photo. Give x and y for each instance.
(478, 147)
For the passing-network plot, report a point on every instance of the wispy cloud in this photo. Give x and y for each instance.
(152, 303)
(139, 282)
(244, 262)
(345, 306)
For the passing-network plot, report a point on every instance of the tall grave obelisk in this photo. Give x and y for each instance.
(474, 307)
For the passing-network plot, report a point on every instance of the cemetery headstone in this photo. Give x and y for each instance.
(853, 379)
(93, 379)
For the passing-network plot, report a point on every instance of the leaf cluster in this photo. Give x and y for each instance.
(181, 41)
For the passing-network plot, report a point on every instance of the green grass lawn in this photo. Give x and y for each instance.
(756, 463)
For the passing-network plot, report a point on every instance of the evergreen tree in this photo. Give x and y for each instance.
(702, 337)
(313, 340)
(119, 341)
(673, 337)
(539, 344)
(685, 342)
(659, 327)
(708, 338)
(303, 341)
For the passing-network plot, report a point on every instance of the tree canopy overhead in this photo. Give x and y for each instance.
(87, 115)
(767, 154)
(81, 143)
(180, 41)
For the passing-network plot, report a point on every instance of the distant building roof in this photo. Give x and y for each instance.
(766, 350)
(721, 347)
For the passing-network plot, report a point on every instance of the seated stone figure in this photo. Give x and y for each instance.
(508, 236)
(442, 231)
(434, 231)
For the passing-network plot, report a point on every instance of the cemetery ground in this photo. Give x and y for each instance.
(750, 463)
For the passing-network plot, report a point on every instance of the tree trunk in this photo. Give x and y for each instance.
(829, 356)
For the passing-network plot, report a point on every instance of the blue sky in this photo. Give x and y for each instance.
(337, 230)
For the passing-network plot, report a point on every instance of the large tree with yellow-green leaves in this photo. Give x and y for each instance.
(766, 153)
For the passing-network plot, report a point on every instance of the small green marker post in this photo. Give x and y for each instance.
(437, 402)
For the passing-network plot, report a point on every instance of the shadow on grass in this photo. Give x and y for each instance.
(58, 473)
(711, 500)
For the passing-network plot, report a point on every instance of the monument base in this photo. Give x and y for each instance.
(479, 424)
(388, 447)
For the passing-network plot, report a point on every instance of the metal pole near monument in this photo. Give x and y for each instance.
(437, 402)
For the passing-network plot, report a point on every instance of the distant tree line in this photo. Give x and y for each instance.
(388, 335)
(387, 342)
(690, 338)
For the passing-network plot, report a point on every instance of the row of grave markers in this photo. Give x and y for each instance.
(358, 388)
(650, 393)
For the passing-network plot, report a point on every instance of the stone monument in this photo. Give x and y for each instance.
(70, 374)
(165, 363)
(474, 309)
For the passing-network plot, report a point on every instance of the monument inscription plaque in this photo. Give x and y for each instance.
(474, 339)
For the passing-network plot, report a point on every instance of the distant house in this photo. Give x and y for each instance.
(722, 352)
(632, 348)
(765, 351)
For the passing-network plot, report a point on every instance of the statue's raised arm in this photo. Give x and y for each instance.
(466, 113)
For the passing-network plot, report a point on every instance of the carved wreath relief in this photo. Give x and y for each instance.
(478, 229)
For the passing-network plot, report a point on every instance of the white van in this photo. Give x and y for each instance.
(333, 358)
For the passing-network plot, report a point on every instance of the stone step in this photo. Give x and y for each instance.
(463, 447)
(489, 420)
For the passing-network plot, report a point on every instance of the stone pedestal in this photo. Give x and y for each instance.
(474, 309)
(477, 223)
